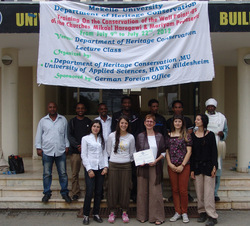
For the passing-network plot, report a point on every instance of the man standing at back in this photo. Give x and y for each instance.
(52, 144)
(160, 125)
(136, 128)
(218, 125)
(105, 120)
(134, 119)
(78, 127)
(177, 107)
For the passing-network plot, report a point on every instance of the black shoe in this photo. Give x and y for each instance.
(211, 221)
(171, 199)
(202, 218)
(85, 220)
(97, 219)
(190, 198)
(75, 197)
(66, 198)
(46, 198)
(216, 198)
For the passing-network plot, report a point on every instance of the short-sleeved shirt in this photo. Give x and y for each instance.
(177, 149)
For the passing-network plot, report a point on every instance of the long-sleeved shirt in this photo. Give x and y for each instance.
(93, 155)
(125, 151)
(106, 126)
(51, 136)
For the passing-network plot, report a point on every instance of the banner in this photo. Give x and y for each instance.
(159, 44)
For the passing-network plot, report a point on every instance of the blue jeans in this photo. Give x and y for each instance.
(47, 173)
(93, 185)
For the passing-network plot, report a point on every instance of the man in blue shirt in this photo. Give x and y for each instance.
(52, 145)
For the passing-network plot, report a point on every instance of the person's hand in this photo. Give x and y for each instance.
(153, 163)
(66, 150)
(221, 134)
(179, 169)
(91, 173)
(39, 152)
(213, 173)
(104, 171)
(192, 175)
(79, 147)
(173, 167)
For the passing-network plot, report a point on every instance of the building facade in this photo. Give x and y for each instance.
(23, 101)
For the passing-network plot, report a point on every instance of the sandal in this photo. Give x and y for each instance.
(158, 222)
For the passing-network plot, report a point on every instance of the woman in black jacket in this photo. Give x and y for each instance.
(203, 169)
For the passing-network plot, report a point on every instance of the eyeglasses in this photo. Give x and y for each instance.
(147, 121)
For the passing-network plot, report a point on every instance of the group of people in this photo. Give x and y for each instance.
(105, 146)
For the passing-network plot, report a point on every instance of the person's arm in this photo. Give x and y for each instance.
(172, 166)
(223, 134)
(72, 140)
(113, 124)
(109, 145)
(84, 154)
(155, 162)
(214, 153)
(38, 140)
(66, 135)
(185, 160)
(132, 148)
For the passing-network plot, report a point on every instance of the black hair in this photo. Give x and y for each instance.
(126, 97)
(204, 119)
(80, 103)
(177, 101)
(100, 132)
(152, 101)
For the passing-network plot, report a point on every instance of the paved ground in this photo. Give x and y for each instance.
(69, 218)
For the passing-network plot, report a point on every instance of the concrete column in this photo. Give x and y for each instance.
(39, 107)
(9, 104)
(243, 111)
(218, 88)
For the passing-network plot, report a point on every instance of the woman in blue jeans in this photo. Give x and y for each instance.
(95, 160)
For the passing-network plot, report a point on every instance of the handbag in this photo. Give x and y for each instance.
(16, 163)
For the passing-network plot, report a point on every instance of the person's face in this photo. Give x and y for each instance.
(177, 124)
(103, 110)
(123, 125)
(149, 123)
(154, 108)
(126, 104)
(211, 109)
(95, 129)
(52, 109)
(198, 122)
(80, 109)
(177, 109)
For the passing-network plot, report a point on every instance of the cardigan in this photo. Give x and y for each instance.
(142, 144)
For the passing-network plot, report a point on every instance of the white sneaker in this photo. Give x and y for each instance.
(175, 217)
(185, 218)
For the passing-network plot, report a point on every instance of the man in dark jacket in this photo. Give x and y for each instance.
(77, 128)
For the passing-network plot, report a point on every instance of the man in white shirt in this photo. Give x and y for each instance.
(52, 145)
(218, 124)
(106, 129)
(105, 120)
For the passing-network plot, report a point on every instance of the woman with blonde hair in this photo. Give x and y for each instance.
(149, 176)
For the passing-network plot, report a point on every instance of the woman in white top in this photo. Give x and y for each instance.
(95, 160)
(120, 148)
